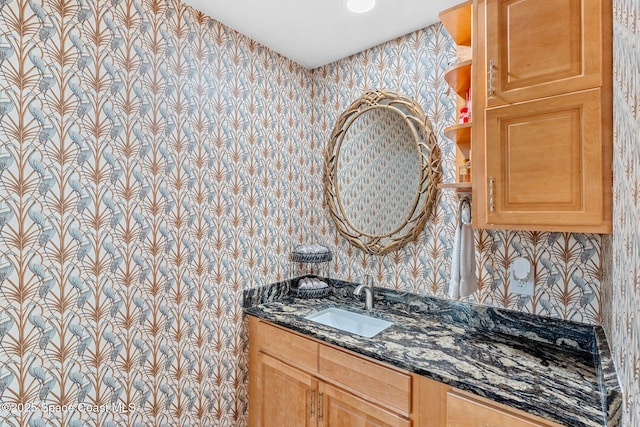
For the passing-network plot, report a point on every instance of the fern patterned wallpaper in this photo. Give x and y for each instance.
(153, 164)
(150, 169)
(622, 307)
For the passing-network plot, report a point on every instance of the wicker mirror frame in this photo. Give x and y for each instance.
(426, 148)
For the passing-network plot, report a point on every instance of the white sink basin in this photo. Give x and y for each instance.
(349, 321)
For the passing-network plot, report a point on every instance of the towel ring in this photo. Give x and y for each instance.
(464, 200)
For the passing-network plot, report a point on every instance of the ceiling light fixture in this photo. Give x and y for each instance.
(359, 6)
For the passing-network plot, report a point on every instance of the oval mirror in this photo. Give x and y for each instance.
(381, 171)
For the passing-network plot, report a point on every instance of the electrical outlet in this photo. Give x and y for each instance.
(522, 287)
(521, 277)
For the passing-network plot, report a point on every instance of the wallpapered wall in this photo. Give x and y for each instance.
(154, 163)
(568, 267)
(623, 300)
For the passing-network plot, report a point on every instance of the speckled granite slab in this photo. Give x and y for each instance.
(559, 370)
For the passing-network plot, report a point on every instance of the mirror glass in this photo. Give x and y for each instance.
(381, 172)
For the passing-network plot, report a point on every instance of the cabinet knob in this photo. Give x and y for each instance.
(320, 396)
(490, 89)
(491, 187)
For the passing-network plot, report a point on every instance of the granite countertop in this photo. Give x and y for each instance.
(561, 371)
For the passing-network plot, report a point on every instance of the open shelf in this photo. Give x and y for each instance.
(460, 134)
(460, 187)
(457, 21)
(458, 77)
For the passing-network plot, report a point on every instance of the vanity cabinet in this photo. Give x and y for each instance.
(285, 396)
(295, 381)
(298, 381)
(543, 115)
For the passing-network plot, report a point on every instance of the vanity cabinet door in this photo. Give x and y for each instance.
(544, 165)
(464, 411)
(337, 408)
(539, 48)
(282, 395)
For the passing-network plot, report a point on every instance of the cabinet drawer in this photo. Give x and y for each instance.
(285, 345)
(340, 408)
(463, 411)
(377, 383)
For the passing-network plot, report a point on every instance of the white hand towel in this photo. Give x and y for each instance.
(468, 280)
(463, 261)
(454, 282)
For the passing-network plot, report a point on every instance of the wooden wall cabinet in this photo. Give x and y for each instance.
(543, 115)
(297, 381)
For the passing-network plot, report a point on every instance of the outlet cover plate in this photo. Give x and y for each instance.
(521, 287)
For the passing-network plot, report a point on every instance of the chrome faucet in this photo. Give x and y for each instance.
(367, 285)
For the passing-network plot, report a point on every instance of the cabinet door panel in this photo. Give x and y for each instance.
(544, 163)
(465, 412)
(542, 47)
(285, 396)
(342, 409)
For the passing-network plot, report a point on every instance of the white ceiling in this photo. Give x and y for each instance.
(318, 32)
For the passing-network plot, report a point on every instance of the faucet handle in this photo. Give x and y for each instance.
(367, 285)
(368, 281)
